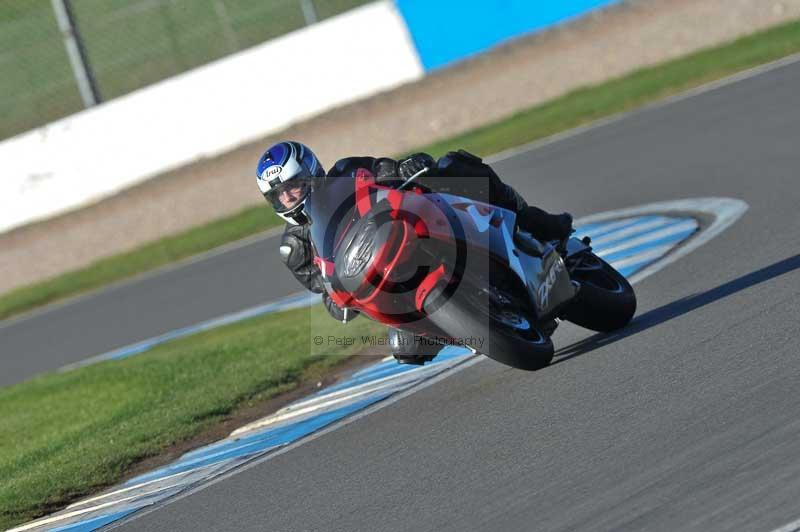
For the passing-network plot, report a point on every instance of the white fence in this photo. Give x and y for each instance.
(207, 111)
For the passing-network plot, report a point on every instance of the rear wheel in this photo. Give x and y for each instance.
(488, 321)
(606, 301)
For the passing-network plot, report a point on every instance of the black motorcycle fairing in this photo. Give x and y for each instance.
(330, 209)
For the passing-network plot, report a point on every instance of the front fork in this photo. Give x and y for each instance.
(574, 250)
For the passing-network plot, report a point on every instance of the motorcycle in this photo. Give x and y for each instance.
(456, 270)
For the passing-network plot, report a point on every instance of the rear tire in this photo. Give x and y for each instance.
(606, 301)
(507, 335)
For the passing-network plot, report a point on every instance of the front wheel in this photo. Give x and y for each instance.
(606, 301)
(486, 320)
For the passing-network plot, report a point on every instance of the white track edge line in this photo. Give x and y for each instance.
(353, 394)
(794, 526)
(130, 488)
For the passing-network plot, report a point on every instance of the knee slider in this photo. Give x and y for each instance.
(407, 345)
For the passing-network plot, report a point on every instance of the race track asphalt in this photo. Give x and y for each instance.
(687, 420)
(132, 311)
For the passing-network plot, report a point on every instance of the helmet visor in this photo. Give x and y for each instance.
(289, 194)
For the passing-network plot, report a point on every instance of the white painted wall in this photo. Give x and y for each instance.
(209, 110)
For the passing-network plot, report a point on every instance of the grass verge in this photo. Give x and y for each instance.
(148, 257)
(64, 435)
(574, 109)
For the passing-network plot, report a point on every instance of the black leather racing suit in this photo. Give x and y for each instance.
(297, 254)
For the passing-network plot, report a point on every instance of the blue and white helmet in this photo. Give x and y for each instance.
(285, 175)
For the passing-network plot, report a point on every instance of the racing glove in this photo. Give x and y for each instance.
(415, 164)
(338, 313)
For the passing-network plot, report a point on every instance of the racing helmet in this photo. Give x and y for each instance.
(285, 175)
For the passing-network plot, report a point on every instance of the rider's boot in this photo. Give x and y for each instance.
(544, 226)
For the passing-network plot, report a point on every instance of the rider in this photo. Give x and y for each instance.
(286, 171)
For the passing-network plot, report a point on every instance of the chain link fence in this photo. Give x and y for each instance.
(128, 44)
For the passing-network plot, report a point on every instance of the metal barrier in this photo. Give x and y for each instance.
(59, 56)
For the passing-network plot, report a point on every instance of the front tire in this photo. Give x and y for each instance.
(506, 334)
(606, 301)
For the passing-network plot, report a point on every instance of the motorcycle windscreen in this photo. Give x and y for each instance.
(330, 209)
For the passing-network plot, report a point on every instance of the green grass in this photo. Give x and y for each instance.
(65, 435)
(576, 108)
(148, 257)
(129, 43)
